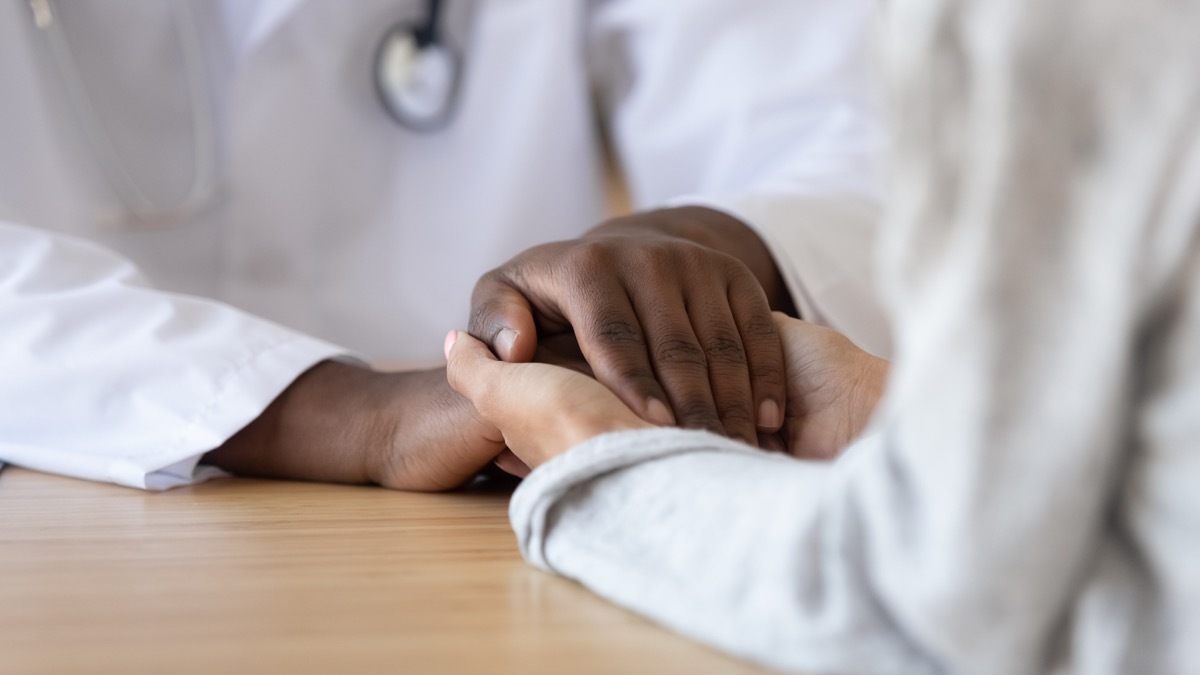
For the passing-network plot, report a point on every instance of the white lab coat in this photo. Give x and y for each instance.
(344, 231)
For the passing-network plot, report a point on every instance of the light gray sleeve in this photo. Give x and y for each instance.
(721, 542)
(1039, 215)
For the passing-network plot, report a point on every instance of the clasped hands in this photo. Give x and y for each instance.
(674, 331)
(660, 318)
(540, 410)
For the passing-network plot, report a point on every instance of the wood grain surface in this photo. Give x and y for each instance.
(247, 576)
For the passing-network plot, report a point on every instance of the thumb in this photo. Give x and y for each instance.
(469, 365)
(508, 462)
(503, 318)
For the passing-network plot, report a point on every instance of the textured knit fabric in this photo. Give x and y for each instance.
(1028, 497)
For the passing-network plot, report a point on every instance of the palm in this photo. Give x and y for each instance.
(829, 380)
(539, 409)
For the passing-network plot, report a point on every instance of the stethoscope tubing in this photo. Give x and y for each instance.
(427, 35)
(204, 161)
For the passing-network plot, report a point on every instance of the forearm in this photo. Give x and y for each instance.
(324, 427)
(715, 230)
(727, 545)
(342, 423)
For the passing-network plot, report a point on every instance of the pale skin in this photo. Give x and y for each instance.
(541, 410)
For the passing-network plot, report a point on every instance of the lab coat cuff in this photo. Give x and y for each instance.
(824, 247)
(531, 510)
(248, 389)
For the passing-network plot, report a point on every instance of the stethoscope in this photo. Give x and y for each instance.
(416, 74)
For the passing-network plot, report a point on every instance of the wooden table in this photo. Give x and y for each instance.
(243, 576)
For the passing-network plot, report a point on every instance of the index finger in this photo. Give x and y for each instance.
(611, 339)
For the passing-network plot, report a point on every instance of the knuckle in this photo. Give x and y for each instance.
(686, 257)
(587, 256)
(760, 326)
(531, 267)
(769, 375)
(737, 415)
(725, 349)
(482, 308)
(617, 330)
(486, 299)
(699, 413)
(679, 351)
(658, 257)
(736, 270)
(641, 377)
(701, 256)
(479, 323)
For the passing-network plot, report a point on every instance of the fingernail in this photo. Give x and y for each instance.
(451, 338)
(768, 415)
(505, 340)
(658, 413)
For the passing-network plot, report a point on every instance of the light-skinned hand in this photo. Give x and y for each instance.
(833, 388)
(542, 410)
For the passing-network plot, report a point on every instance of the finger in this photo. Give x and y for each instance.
(511, 464)
(678, 362)
(727, 373)
(771, 442)
(611, 339)
(764, 352)
(502, 318)
(471, 368)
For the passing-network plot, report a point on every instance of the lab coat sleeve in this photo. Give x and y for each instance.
(767, 111)
(108, 379)
(1032, 252)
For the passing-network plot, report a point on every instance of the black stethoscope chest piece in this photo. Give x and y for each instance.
(417, 73)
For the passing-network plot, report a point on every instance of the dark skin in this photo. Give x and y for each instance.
(342, 423)
(671, 308)
(671, 305)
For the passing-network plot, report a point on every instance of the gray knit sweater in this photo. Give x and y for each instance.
(1028, 498)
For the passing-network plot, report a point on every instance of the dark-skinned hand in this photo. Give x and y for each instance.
(670, 308)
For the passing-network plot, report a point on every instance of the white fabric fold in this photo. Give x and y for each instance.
(106, 378)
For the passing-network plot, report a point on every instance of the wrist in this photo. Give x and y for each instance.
(578, 432)
(430, 437)
(328, 425)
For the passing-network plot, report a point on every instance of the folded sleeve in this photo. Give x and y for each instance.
(107, 379)
(767, 111)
